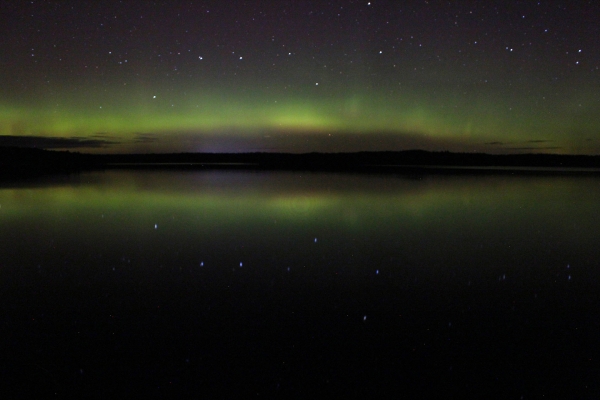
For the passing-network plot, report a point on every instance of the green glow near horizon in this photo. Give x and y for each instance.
(205, 115)
(331, 77)
(123, 115)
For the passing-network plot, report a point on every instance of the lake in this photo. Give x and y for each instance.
(214, 283)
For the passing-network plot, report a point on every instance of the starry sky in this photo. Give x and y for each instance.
(301, 76)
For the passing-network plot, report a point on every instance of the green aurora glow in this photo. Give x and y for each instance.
(469, 123)
(355, 98)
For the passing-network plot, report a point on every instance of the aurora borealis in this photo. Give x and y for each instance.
(300, 76)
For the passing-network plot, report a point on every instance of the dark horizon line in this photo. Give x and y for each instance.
(16, 162)
(56, 153)
(294, 154)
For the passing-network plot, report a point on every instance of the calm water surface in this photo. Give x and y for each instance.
(214, 283)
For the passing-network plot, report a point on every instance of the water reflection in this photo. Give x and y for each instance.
(439, 221)
(273, 280)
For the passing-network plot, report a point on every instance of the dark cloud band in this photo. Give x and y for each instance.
(42, 142)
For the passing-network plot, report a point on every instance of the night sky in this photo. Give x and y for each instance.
(301, 76)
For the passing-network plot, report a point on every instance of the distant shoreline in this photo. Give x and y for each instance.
(18, 162)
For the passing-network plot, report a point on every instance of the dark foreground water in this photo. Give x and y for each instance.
(209, 284)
